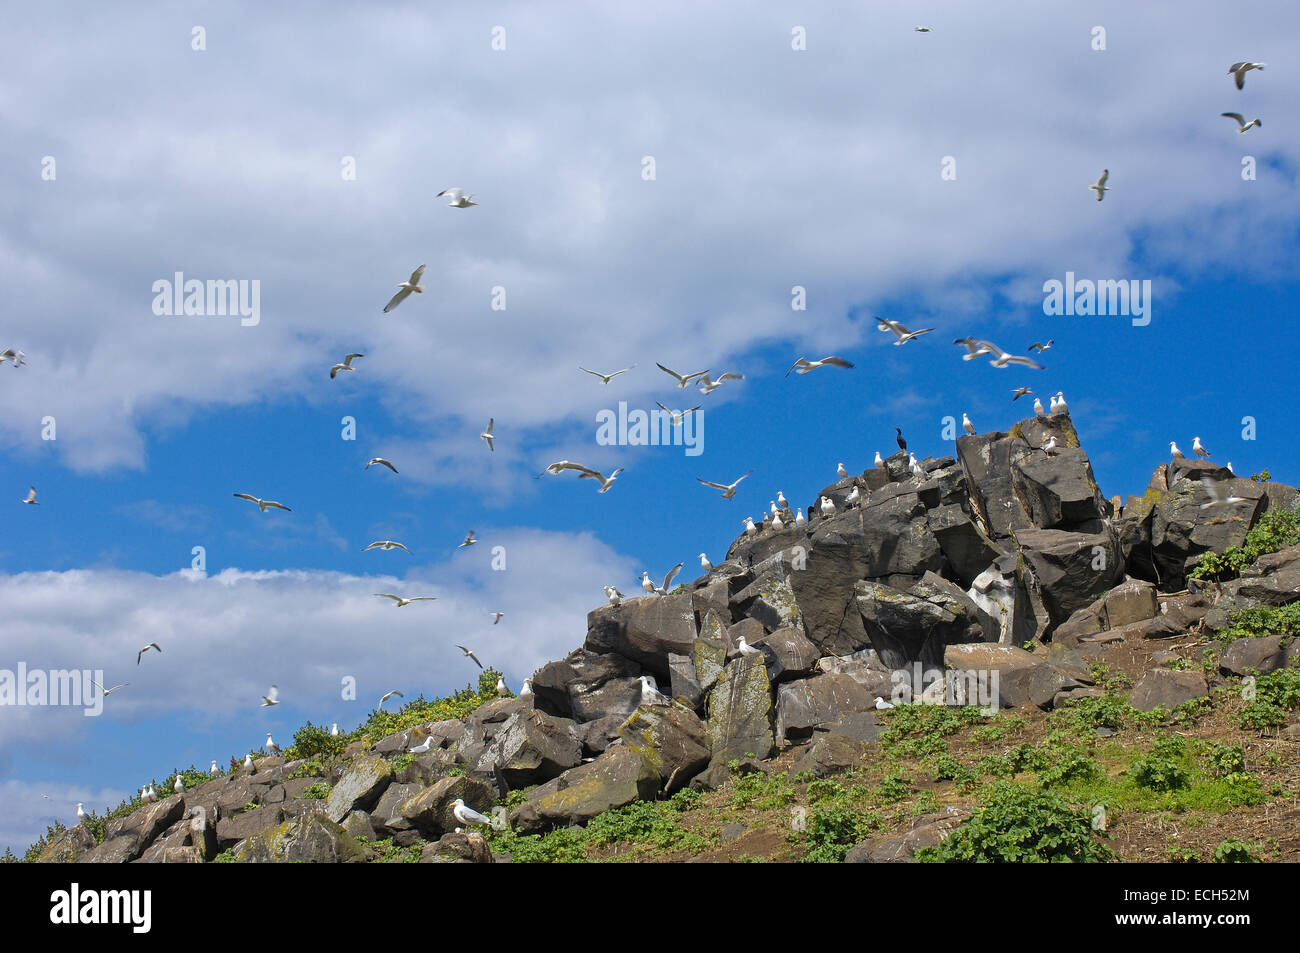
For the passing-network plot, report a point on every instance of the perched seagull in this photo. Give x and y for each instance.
(677, 418)
(902, 444)
(458, 198)
(917, 470)
(1038, 407)
(151, 795)
(108, 691)
(469, 540)
(650, 694)
(345, 366)
(388, 695)
(179, 786)
(151, 645)
(385, 544)
(1039, 346)
(744, 648)
(682, 380)
(1230, 470)
(264, 505)
(213, 771)
(881, 704)
(902, 334)
(879, 461)
(1060, 404)
(334, 730)
(502, 688)
(827, 506)
(709, 386)
(487, 434)
(470, 655)
(1242, 125)
(1049, 446)
(423, 746)
(776, 522)
(750, 528)
(467, 815)
(270, 746)
(248, 760)
(781, 501)
(613, 595)
(854, 495)
(1219, 494)
(81, 814)
(271, 698)
(605, 378)
(1199, 450)
(406, 288)
(496, 617)
(966, 425)
(527, 689)
(798, 518)
(30, 497)
(649, 586)
(1238, 71)
(705, 564)
(772, 507)
(1100, 186)
(803, 365)
(1052, 408)
(1019, 392)
(380, 462)
(840, 471)
(1175, 452)
(14, 357)
(399, 601)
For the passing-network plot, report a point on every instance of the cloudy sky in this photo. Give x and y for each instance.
(129, 155)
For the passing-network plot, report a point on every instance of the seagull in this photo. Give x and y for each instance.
(750, 528)
(487, 434)
(388, 695)
(30, 497)
(1199, 450)
(81, 814)
(407, 287)
(772, 507)
(1219, 494)
(334, 730)
(583, 473)
(705, 564)
(213, 771)
(879, 461)
(399, 601)
(1003, 359)
(151, 645)
(776, 522)
(1049, 446)
(649, 586)
(1242, 125)
(745, 648)
(966, 425)
(923, 29)
(527, 689)
(385, 544)
(853, 496)
(605, 378)
(900, 331)
(827, 506)
(1238, 71)
(263, 505)
(840, 471)
(798, 518)
(423, 746)
(902, 444)
(781, 501)
(881, 704)
(1175, 452)
(708, 386)
(469, 540)
(248, 760)
(179, 786)
(1021, 392)
(917, 470)
(271, 698)
(108, 691)
(470, 655)
(379, 461)
(496, 617)
(1038, 407)
(151, 795)
(677, 418)
(613, 595)
(1039, 346)
(14, 357)
(502, 688)
(1052, 408)
(803, 365)
(458, 198)
(270, 746)
(650, 694)
(974, 348)
(467, 815)
(1060, 404)
(1230, 470)
(682, 380)
(345, 366)
(1100, 186)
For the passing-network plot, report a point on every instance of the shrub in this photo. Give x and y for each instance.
(831, 831)
(1275, 530)
(1234, 851)
(1161, 768)
(1227, 759)
(314, 741)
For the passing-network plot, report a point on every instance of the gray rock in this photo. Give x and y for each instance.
(644, 630)
(617, 777)
(1024, 678)
(830, 754)
(231, 830)
(311, 839)
(359, 789)
(1058, 490)
(531, 747)
(430, 811)
(671, 739)
(740, 711)
(809, 703)
(453, 848)
(927, 831)
(788, 654)
(1161, 686)
(1258, 655)
(906, 627)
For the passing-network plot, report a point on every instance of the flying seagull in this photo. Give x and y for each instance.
(1021, 392)
(803, 365)
(923, 29)
(399, 601)
(458, 198)
(900, 332)
(1100, 186)
(1001, 358)
(14, 357)
(583, 473)
(1238, 71)
(1040, 346)
(728, 489)
(470, 655)
(649, 586)
(406, 288)
(682, 380)
(676, 417)
(384, 544)
(469, 540)
(345, 366)
(605, 378)
(272, 697)
(379, 461)
(1242, 125)
(263, 505)
(151, 645)
(109, 691)
(974, 348)
(1198, 449)
(487, 434)
(1219, 494)
(496, 617)
(708, 386)
(388, 695)
(30, 497)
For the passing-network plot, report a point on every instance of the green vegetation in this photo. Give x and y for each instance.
(831, 831)
(1162, 768)
(318, 792)
(1257, 623)
(1234, 851)
(1276, 529)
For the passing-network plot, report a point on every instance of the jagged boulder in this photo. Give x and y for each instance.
(1259, 655)
(671, 739)
(67, 846)
(740, 712)
(831, 753)
(906, 627)
(1066, 570)
(245, 824)
(1023, 678)
(809, 703)
(966, 547)
(927, 831)
(1181, 530)
(1058, 490)
(430, 811)
(1163, 687)
(788, 653)
(531, 747)
(644, 630)
(987, 460)
(360, 788)
(125, 838)
(619, 776)
(1274, 580)
(453, 848)
(310, 839)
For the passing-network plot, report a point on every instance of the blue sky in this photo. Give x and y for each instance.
(775, 168)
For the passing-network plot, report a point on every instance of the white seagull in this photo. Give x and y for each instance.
(399, 601)
(1100, 186)
(1040, 346)
(334, 730)
(387, 695)
(881, 704)
(705, 564)
(527, 689)
(583, 473)
(1242, 125)
(213, 771)
(781, 501)
(423, 746)
(264, 505)
(879, 461)
(385, 544)
(345, 366)
(682, 380)
(458, 198)
(81, 814)
(1238, 71)
(270, 746)
(1198, 449)
(470, 655)
(502, 688)
(649, 586)
(1038, 406)
(1061, 408)
(966, 425)
(977, 348)
(708, 386)
(745, 648)
(179, 786)
(650, 694)
(605, 378)
(14, 357)
(379, 462)
(902, 334)
(406, 288)
(840, 471)
(798, 518)
(248, 760)
(467, 815)
(1019, 392)
(108, 691)
(854, 495)
(676, 417)
(827, 506)
(151, 645)
(803, 365)
(496, 617)
(487, 434)
(30, 497)
(1219, 494)
(776, 522)
(750, 528)
(1174, 452)
(272, 697)
(613, 595)
(469, 540)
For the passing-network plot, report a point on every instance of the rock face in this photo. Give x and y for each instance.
(927, 831)
(671, 739)
(310, 839)
(619, 776)
(811, 703)
(360, 788)
(531, 747)
(1162, 687)
(740, 712)
(644, 630)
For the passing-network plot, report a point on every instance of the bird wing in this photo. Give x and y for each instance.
(397, 299)
(672, 573)
(1011, 359)
(400, 546)
(417, 275)
(802, 362)
(251, 499)
(347, 361)
(383, 462)
(278, 506)
(716, 486)
(835, 362)
(334, 371)
(1241, 120)
(387, 595)
(667, 370)
(1105, 174)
